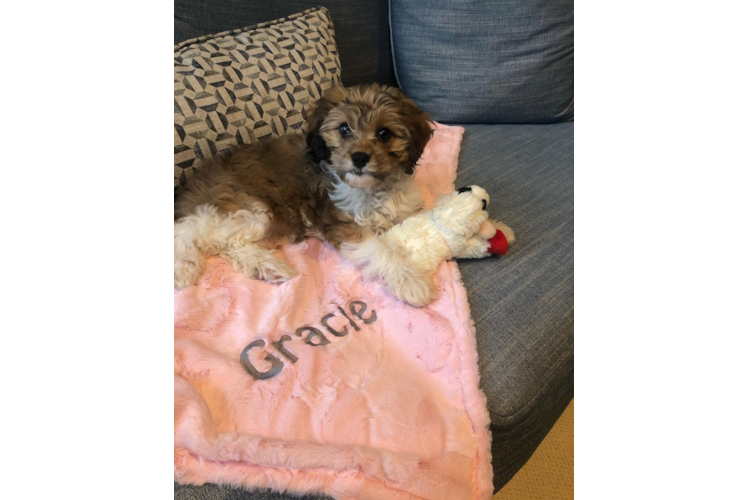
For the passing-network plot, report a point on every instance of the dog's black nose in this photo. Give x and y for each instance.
(360, 159)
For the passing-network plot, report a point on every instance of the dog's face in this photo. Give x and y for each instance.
(370, 135)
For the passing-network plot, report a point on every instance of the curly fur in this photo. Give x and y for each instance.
(244, 205)
(449, 230)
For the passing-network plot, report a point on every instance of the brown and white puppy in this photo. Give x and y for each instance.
(346, 180)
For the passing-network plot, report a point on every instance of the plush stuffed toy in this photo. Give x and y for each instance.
(457, 227)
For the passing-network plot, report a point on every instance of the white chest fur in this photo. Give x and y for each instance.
(378, 210)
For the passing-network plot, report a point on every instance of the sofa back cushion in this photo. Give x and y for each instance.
(486, 61)
(241, 86)
(361, 29)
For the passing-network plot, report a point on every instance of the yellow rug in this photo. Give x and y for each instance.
(549, 474)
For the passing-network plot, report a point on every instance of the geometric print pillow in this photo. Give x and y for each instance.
(239, 86)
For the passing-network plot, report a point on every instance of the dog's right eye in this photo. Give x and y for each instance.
(345, 130)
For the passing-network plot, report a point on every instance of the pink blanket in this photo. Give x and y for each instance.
(330, 384)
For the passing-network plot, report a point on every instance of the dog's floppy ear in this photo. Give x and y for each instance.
(318, 150)
(418, 124)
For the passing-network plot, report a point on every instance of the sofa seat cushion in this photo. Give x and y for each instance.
(523, 303)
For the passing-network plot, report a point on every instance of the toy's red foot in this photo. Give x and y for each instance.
(498, 243)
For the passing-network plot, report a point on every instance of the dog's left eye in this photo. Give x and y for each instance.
(384, 134)
(345, 130)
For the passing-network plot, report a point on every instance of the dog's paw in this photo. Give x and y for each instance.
(417, 291)
(508, 232)
(259, 263)
(275, 271)
(187, 272)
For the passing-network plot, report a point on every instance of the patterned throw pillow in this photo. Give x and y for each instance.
(239, 86)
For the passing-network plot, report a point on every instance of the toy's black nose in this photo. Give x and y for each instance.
(360, 159)
(464, 189)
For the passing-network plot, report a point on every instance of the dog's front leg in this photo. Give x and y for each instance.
(379, 258)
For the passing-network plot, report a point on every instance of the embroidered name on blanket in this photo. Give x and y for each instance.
(312, 337)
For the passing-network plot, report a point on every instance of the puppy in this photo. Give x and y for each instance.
(346, 180)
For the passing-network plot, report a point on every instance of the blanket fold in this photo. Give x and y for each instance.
(328, 383)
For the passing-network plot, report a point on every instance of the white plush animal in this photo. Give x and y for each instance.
(457, 227)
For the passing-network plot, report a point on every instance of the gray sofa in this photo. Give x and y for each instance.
(508, 79)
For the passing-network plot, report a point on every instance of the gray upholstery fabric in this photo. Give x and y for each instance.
(522, 303)
(361, 29)
(485, 61)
